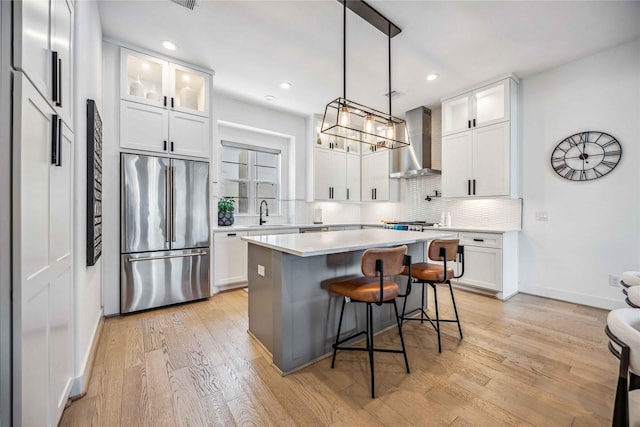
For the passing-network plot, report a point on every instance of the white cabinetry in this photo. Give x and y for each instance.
(482, 107)
(353, 177)
(479, 146)
(230, 258)
(476, 163)
(42, 257)
(490, 262)
(42, 34)
(330, 175)
(164, 107)
(375, 177)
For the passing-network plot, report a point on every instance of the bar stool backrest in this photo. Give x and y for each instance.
(392, 259)
(450, 246)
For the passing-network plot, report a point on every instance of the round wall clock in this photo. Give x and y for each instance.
(586, 155)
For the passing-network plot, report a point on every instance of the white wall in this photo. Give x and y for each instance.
(87, 280)
(594, 226)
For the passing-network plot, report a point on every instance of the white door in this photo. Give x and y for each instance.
(381, 175)
(456, 165)
(60, 343)
(456, 114)
(482, 267)
(230, 258)
(31, 36)
(491, 104)
(61, 36)
(353, 178)
(368, 175)
(143, 127)
(490, 160)
(189, 90)
(189, 135)
(322, 174)
(61, 201)
(338, 176)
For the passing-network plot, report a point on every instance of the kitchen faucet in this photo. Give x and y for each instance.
(262, 221)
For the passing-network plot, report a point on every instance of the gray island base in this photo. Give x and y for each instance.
(291, 312)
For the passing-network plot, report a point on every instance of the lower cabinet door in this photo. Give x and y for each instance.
(230, 258)
(482, 268)
(60, 343)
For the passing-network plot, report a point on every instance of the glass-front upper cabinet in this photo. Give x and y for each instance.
(144, 78)
(149, 80)
(483, 107)
(189, 90)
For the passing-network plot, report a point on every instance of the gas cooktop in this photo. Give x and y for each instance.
(410, 225)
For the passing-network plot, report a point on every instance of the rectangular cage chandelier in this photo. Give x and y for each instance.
(349, 120)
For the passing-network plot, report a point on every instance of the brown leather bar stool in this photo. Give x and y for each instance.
(373, 288)
(425, 273)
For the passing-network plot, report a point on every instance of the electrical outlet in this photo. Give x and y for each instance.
(542, 216)
(614, 280)
(260, 270)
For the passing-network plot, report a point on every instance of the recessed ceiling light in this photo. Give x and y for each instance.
(186, 78)
(169, 45)
(145, 65)
(285, 85)
(269, 97)
(432, 77)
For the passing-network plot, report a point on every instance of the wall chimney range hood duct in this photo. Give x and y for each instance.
(416, 159)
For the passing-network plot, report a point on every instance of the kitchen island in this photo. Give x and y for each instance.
(291, 312)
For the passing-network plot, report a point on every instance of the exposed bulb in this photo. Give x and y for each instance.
(390, 131)
(369, 124)
(344, 117)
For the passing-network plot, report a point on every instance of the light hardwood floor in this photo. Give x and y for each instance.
(527, 361)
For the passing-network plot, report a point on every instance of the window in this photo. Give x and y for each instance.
(249, 175)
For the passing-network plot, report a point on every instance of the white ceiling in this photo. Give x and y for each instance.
(254, 45)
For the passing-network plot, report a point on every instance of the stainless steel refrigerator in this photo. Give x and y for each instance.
(164, 231)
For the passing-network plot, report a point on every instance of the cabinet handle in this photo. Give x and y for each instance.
(468, 187)
(59, 102)
(474, 186)
(372, 194)
(232, 234)
(54, 140)
(172, 102)
(171, 145)
(474, 122)
(478, 240)
(347, 194)
(59, 154)
(164, 146)
(54, 78)
(348, 148)
(375, 194)
(165, 101)
(469, 124)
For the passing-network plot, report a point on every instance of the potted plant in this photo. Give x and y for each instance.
(225, 211)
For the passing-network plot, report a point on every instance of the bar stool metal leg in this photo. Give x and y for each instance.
(435, 302)
(370, 346)
(404, 350)
(335, 346)
(455, 309)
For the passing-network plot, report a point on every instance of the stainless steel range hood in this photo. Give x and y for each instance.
(416, 159)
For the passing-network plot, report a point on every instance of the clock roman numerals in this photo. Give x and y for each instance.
(586, 155)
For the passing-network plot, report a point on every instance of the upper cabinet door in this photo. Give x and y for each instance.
(456, 165)
(189, 90)
(61, 36)
(143, 127)
(456, 114)
(31, 38)
(143, 78)
(353, 178)
(189, 135)
(491, 104)
(491, 160)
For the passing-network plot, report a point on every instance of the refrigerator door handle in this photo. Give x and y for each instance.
(167, 211)
(151, 258)
(173, 203)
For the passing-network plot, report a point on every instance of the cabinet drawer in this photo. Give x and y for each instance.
(486, 240)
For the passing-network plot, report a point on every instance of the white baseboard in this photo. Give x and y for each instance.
(81, 382)
(577, 298)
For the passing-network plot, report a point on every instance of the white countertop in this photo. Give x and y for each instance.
(288, 226)
(475, 229)
(332, 242)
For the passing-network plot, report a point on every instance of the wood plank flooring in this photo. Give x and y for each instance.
(527, 361)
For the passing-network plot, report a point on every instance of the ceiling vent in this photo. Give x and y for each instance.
(189, 4)
(394, 94)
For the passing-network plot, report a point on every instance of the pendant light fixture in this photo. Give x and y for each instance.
(347, 119)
